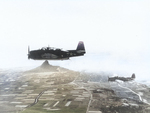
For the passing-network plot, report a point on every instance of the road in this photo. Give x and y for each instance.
(91, 96)
(37, 98)
(126, 92)
(140, 98)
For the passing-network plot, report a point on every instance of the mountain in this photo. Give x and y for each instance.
(46, 67)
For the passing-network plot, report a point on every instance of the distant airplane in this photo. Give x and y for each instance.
(49, 53)
(122, 78)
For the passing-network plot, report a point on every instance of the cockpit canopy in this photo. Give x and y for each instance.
(49, 48)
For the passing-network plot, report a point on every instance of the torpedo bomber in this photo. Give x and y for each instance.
(49, 53)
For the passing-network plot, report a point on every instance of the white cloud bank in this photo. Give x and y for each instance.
(120, 29)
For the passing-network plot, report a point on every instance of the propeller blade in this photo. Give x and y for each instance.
(28, 52)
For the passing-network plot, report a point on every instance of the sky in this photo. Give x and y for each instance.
(116, 33)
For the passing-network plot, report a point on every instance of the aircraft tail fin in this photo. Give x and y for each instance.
(80, 46)
(133, 75)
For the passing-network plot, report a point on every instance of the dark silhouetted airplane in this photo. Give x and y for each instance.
(49, 53)
(122, 78)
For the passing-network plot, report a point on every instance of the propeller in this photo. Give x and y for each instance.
(28, 52)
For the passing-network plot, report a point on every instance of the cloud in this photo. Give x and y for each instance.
(115, 33)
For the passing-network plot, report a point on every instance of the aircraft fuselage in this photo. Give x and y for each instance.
(56, 54)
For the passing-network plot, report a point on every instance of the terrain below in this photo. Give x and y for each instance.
(53, 89)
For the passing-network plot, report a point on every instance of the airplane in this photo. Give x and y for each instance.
(49, 53)
(122, 78)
